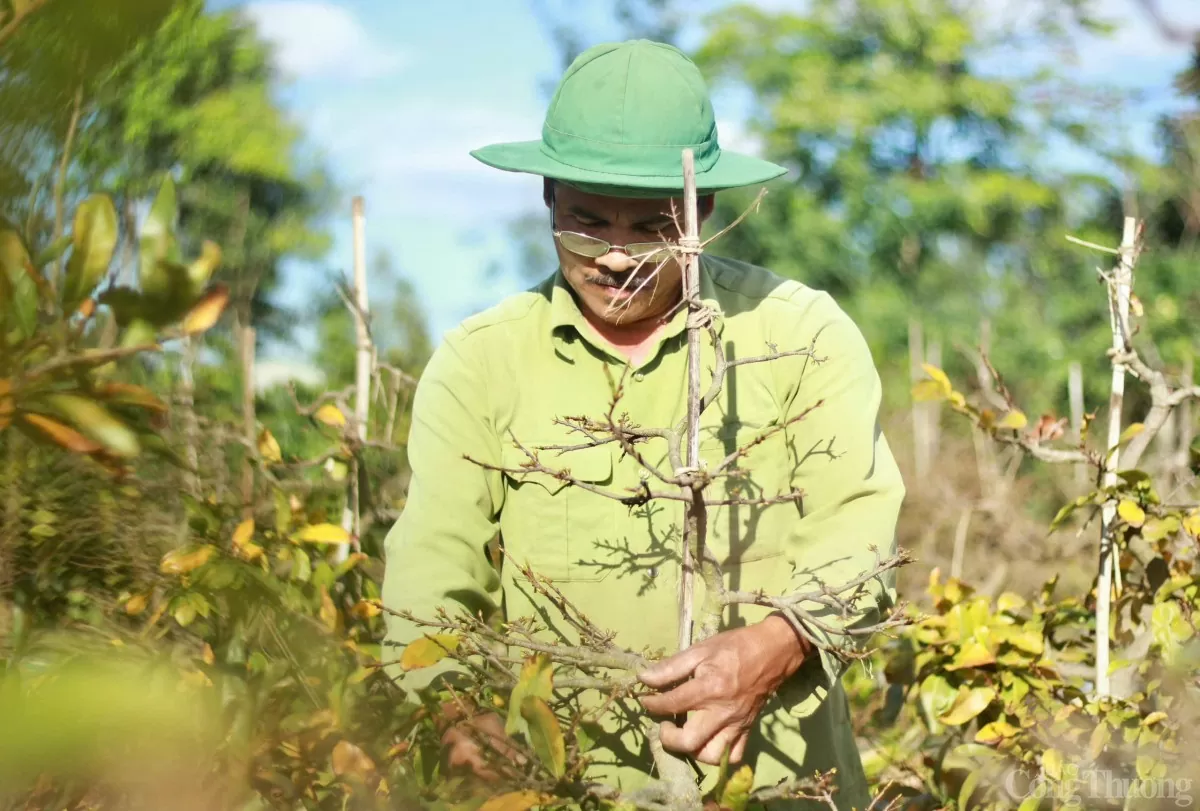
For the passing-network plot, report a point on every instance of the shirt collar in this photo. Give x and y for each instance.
(567, 321)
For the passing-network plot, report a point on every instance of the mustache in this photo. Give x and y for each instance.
(623, 280)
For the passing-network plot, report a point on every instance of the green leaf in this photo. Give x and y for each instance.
(52, 252)
(587, 733)
(969, 704)
(95, 422)
(936, 697)
(428, 651)
(17, 287)
(93, 239)
(968, 788)
(157, 240)
(545, 734)
(536, 679)
(1129, 433)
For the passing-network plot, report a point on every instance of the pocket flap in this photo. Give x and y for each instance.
(592, 464)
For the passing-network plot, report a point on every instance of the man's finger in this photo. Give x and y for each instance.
(686, 697)
(712, 752)
(692, 736)
(674, 668)
(739, 748)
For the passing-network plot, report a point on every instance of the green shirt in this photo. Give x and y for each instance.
(511, 371)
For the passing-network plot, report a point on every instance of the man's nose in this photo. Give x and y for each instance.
(617, 261)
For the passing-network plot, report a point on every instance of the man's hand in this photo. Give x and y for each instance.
(723, 682)
(460, 742)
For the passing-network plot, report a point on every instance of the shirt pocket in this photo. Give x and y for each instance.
(743, 533)
(540, 509)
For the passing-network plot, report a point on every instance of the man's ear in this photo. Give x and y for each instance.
(705, 204)
(548, 191)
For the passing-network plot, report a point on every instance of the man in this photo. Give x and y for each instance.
(610, 153)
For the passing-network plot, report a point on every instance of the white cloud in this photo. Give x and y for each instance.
(316, 39)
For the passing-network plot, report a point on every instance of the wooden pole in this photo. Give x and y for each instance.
(1118, 307)
(363, 361)
(695, 519)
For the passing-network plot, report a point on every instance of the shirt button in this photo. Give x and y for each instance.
(653, 571)
(638, 377)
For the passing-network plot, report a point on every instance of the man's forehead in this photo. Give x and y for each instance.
(609, 207)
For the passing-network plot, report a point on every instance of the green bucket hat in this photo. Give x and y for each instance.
(620, 117)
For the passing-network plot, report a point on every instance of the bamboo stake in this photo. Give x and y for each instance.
(364, 354)
(249, 422)
(1075, 397)
(1118, 308)
(694, 523)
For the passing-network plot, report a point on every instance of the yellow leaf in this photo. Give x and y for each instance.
(968, 705)
(736, 793)
(939, 377)
(1016, 420)
(328, 612)
(972, 654)
(1131, 513)
(323, 533)
(206, 655)
(956, 399)
(427, 651)
(995, 732)
(515, 801)
(1010, 602)
(179, 562)
(928, 391)
(244, 532)
(536, 679)
(135, 605)
(268, 448)
(365, 609)
(330, 415)
(207, 311)
(1153, 718)
(1129, 433)
(349, 760)
(1191, 524)
(1052, 763)
(1100, 737)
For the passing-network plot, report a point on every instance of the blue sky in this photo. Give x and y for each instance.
(394, 93)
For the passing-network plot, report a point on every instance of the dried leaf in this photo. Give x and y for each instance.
(428, 651)
(207, 311)
(1049, 429)
(545, 734)
(330, 415)
(129, 394)
(323, 533)
(351, 761)
(61, 435)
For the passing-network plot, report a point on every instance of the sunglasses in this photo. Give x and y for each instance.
(594, 247)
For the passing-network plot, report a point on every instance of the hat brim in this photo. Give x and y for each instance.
(730, 171)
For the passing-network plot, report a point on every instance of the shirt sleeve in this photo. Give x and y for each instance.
(437, 550)
(840, 460)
